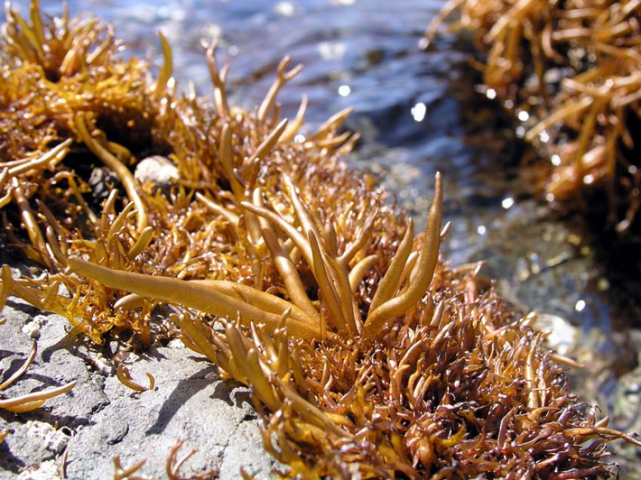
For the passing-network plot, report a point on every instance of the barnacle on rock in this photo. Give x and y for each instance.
(571, 72)
(366, 354)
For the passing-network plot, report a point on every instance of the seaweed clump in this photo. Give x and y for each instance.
(570, 72)
(367, 355)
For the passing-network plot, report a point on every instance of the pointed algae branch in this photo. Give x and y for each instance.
(380, 316)
(210, 296)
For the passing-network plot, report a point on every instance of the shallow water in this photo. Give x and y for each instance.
(421, 112)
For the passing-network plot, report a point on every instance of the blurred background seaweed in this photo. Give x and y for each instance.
(419, 112)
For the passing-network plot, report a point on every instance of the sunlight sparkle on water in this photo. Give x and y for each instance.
(588, 179)
(507, 202)
(418, 112)
(286, 9)
(331, 50)
(344, 90)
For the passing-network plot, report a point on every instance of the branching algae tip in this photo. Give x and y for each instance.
(367, 356)
(571, 73)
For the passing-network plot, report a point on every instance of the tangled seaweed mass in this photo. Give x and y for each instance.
(366, 354)
(571, 71)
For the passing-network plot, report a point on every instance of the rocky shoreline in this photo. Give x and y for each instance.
(101, 418)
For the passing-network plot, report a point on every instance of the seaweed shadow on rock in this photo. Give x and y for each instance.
(183, 391)
(9, 461)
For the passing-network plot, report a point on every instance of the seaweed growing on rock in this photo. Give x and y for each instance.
(570, 71)
(367, 355)
(32, 401)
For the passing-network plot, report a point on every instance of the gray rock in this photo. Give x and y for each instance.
(156, 169)
(102, 418)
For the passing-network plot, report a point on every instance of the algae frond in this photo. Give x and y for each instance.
(366, 354)
(571, 72)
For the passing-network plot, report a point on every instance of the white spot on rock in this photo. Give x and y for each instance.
(156, 169)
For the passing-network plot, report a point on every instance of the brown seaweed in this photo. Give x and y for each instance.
(571, 72)
(367, 355)
(31, 401)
